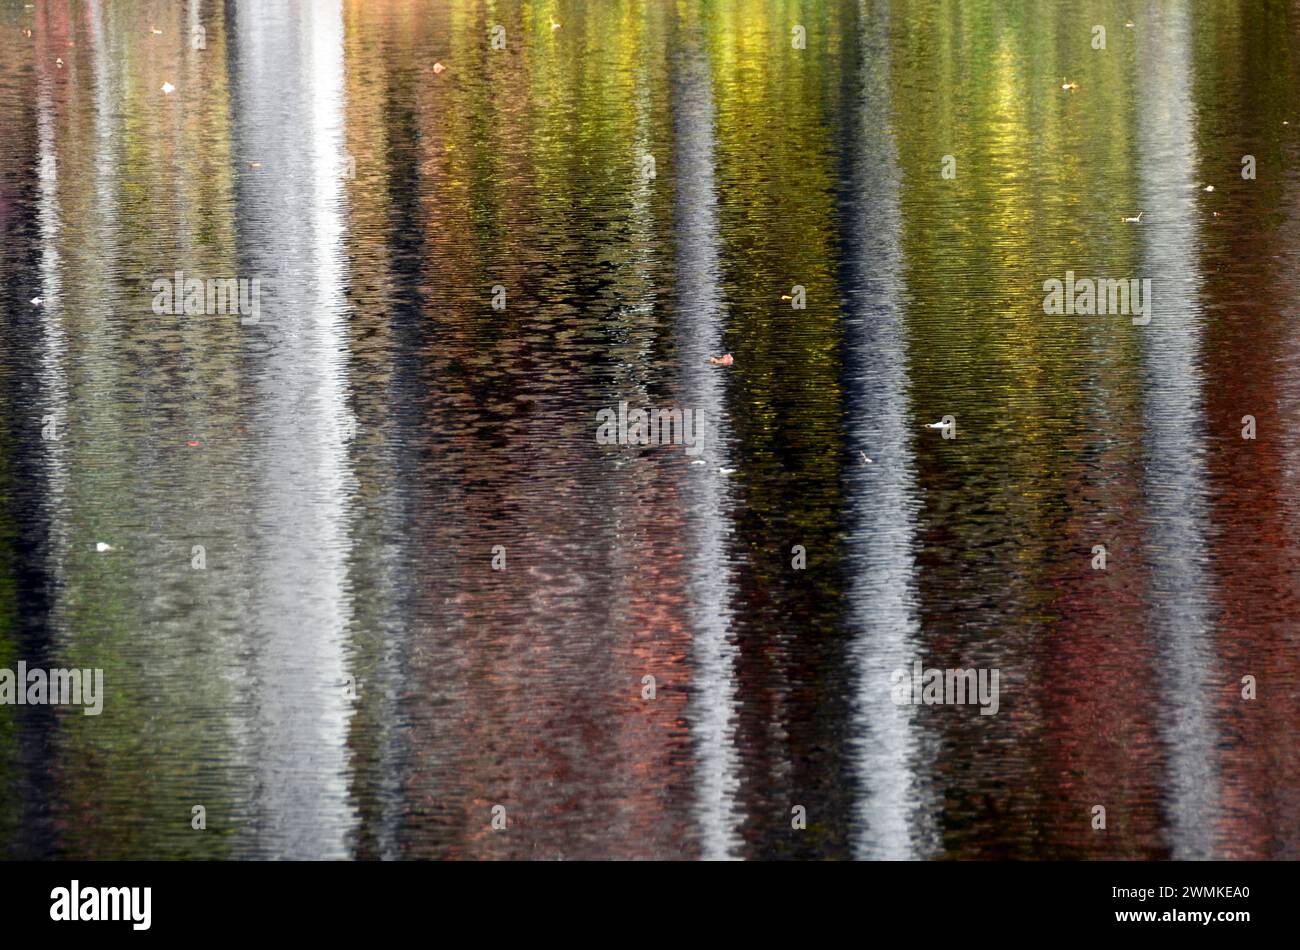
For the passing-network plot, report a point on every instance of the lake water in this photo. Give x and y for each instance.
(299, 619)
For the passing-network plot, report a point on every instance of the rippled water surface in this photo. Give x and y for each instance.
(315, 498)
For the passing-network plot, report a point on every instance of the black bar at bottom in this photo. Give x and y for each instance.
(942, 900)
